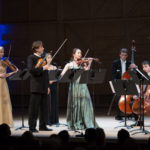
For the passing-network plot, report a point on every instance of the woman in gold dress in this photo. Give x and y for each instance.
(5, 103)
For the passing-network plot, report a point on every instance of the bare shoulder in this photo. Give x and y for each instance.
(54, 67)
(68, 65)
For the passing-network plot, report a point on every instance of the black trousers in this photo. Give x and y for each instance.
(118, 112)
(52, 105)
(37, 106)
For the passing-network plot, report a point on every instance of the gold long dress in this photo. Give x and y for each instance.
(5, 103)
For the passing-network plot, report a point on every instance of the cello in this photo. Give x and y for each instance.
(146, 105)
(126, 76)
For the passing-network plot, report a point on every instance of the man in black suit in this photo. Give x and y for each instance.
(119, 67)
(39, 88)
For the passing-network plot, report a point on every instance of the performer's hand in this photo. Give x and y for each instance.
(90, 60)
(45, 67)
(135, 97)
(3, 75)
(11, 73)
(48, 91)
(133, 66)
(51, 82)
(16, 70)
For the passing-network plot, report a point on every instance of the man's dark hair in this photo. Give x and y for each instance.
(124, 50)
(146, 62)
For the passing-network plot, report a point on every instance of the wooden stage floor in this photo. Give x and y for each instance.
(108, 123)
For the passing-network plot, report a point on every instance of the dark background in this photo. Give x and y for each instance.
(103, 26)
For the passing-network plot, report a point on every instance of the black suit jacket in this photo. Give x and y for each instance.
(39, 81)
(116, 70)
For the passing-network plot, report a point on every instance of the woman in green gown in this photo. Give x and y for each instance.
(80, 113)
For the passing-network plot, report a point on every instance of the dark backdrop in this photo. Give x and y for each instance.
(103, 26)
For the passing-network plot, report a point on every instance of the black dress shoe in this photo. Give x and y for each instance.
(139, 123)
(45, 129)
(33, 130)
(136, 117)
(118, 118)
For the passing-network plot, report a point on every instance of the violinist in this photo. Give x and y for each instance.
(5, 102)
(52, 97)
(80, 113)
(39, 87)
(119, 67)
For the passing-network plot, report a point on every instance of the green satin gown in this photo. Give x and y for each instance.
(80, 113)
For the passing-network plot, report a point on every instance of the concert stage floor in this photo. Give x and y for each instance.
(109, 124)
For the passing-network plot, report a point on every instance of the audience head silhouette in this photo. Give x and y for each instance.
(5, 130)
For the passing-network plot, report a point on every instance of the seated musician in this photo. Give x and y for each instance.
(119, 67)
(146, 67)
(145, 89)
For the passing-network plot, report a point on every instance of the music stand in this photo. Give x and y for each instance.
(54, 74)
(21, 75)
(124, 87)
(93, 77)
(141, 79)
(71, 75)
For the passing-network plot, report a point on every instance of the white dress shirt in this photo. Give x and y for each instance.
(37, 55)
(123, 66)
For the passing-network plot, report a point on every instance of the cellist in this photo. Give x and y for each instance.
(146, 93)
(119, 67)
(146, 67)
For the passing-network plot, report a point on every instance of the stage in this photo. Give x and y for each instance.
(108, 123)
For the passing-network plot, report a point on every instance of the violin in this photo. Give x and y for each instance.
(41, 62)
(5, 61)
(81, 61)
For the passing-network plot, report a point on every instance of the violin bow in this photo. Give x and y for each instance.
(55, 52)
(9, 51)
(85, 55)
(59, 48)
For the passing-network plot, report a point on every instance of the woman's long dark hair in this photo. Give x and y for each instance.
(73, 52)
